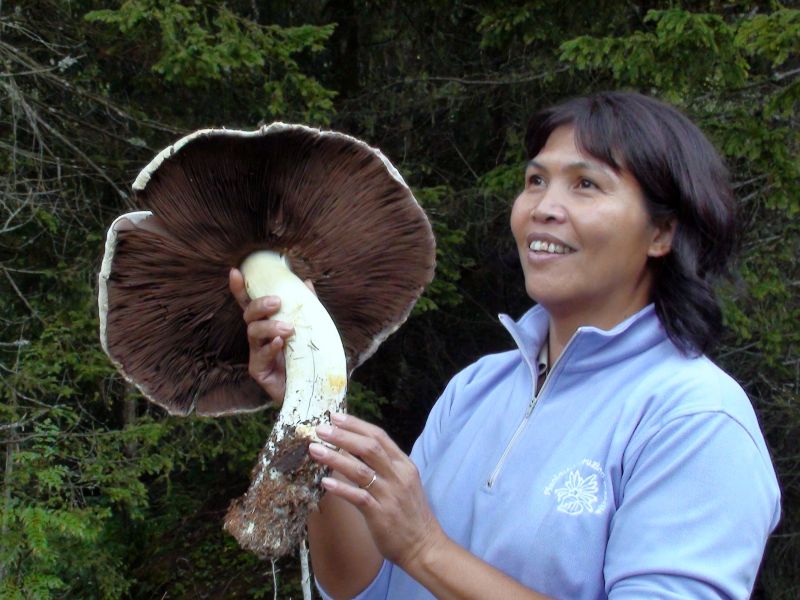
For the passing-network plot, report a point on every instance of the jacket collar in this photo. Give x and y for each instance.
(590, 348)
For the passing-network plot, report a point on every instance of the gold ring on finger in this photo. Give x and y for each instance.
(371, 481)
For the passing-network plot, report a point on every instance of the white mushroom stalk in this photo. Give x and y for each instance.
(285, 481)
(316, 368)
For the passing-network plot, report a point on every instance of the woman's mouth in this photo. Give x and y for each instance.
(546, 247)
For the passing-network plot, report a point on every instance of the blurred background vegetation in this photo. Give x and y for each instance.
(105, 496)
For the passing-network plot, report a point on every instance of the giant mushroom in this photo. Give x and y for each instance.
(284, 203)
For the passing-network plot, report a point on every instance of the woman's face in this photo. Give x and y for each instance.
(584, 235)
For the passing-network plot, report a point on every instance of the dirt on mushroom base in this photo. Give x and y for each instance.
(270, 519)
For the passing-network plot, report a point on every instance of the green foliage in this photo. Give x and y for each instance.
(535, 24)
(498, 27)
(774, 36)
(364, 402)
(205, 42)
(450, 260)
(664, 55)
(502, 182)
(69, 474)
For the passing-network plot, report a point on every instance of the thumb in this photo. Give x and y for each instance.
(237, 287)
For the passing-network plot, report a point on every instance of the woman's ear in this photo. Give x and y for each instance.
(663, 233)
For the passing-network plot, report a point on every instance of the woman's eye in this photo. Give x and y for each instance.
(535, 180)
(586, 184)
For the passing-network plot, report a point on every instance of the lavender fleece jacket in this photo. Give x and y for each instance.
(636, 472)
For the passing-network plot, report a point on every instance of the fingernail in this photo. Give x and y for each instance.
(338, 417)
(317, 450)
(269, 301)
(329, 483)
(324, 430)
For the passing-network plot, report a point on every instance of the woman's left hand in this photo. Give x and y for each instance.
(382, 483)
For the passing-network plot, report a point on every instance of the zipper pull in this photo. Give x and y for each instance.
(531, 406)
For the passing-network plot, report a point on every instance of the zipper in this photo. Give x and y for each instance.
(511, 443)
(526, 417)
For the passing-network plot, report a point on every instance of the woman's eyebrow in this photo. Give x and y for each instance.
(582, 165)
(574, 166)
(535, 164)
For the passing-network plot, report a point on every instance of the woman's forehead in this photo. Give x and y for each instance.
(593, 138)
(563, 149)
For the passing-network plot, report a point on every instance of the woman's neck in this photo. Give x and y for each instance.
(556, 341)
(563, 326)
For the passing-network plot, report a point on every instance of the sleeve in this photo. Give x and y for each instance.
(446, 415)
(698, 502)
(376, 590)
(435, 426)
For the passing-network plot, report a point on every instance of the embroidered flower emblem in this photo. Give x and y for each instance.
(578, 494)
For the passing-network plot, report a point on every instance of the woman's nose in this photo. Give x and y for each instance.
(550, 206)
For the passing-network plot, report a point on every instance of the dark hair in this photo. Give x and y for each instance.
(682, 177)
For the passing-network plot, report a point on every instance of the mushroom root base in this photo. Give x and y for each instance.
(270, 519)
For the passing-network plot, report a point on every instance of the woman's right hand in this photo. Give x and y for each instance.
(265, 336)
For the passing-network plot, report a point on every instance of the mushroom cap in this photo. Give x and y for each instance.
(335, 207)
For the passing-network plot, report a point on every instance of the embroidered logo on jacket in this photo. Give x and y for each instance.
(579, 489)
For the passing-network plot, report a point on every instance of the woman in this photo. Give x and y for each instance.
(605, 456)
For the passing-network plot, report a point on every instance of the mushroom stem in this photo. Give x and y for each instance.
(270, 518)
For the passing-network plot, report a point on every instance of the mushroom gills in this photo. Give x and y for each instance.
(270, 518)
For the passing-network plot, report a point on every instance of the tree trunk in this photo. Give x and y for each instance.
(12, 446)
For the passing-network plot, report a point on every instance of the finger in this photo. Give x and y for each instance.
(262, 308)
(353, 469)
(237, 287)
(361, 427)
(264, 331)
(267, 369)
(360, 498)
(367, 448)
(264, 360)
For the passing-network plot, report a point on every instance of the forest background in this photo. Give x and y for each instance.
(104, 495)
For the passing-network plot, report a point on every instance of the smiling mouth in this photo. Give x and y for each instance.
(549, 247)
